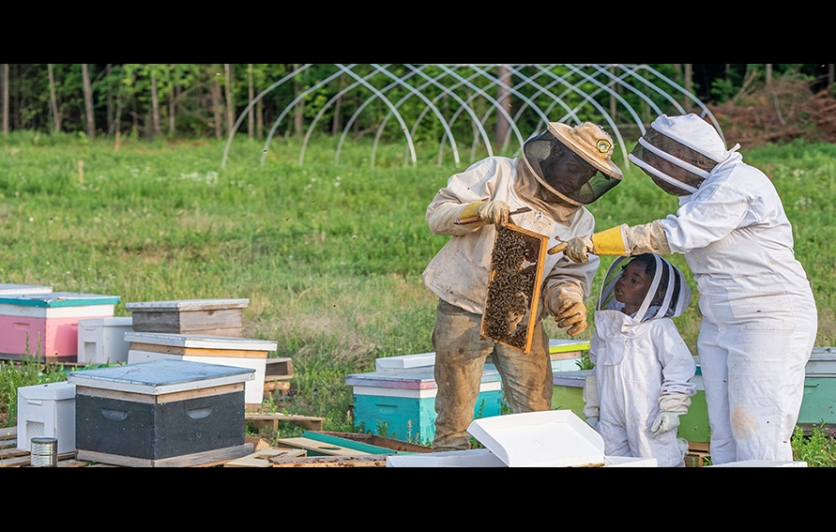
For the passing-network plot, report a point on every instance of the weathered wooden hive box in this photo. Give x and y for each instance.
(161, 413)
(218, 317)
(49, 320)
(399, 402)
(226, 350)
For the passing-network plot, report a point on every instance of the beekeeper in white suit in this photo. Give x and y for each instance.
(561, 170)
(759, 317)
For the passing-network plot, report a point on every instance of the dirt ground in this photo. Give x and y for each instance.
(783, 111)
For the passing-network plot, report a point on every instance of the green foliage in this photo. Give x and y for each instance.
(28, 372)
(818, 449)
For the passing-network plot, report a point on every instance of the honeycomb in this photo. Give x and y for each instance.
(512, 288)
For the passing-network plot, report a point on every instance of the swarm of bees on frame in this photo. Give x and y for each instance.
(510, 287)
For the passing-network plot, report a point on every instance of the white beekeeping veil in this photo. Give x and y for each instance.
(679, 152)
(667, 297)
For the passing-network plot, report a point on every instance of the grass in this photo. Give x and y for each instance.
(818, 449)
(330, 257)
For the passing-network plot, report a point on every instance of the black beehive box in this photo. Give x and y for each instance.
(144, 414)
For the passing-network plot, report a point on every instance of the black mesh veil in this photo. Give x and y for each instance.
(565, 172)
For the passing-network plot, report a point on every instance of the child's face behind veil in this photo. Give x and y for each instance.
(631, 288)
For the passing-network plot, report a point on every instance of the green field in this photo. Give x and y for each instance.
(330, 257)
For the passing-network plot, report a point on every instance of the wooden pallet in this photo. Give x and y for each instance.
(369, 460)
(13, 457)
(259, 421)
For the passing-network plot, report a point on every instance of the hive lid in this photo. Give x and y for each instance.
(161, 376)
(189, 304)
(405, 362)
(106, 322)
(566, 346)
(58, 299)
(554, 438)
(53, 390)
(14, 289)
(420, 378)
(203, 341)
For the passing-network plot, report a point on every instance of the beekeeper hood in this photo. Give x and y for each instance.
(573, 163)
(667, 297)
(679, 152)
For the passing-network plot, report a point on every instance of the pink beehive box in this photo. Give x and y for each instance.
(48, 320)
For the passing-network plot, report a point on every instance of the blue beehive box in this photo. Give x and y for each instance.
(399, 401)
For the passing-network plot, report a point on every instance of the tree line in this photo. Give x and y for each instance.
(204, 100)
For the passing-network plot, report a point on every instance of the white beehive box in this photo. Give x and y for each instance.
(225, 351)
(102, 340)
(46, 410)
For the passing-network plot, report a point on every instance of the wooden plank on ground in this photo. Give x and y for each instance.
(262, 458)
(695, 459)
(369, 460)
(15, 462)
(202, 459)
(698, 446)
(72, 463)
(259, 444)
(26, 460)
(347, 443)
(315, 448)
(276, 386)
(11, 453)
(9, 433)
(259, 421)
(380, 441)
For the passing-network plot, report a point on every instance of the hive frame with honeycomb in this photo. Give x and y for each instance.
(513, 292)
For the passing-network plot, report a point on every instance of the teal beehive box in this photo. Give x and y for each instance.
(398, 400)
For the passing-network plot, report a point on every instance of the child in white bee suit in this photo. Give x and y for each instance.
(640, 384)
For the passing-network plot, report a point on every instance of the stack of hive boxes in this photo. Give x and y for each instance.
(198, 330)
(35, 321)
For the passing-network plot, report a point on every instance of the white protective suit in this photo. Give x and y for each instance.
(641, 368)
(458, 274)
(759, 317)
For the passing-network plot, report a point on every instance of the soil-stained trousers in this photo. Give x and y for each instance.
(460, 362)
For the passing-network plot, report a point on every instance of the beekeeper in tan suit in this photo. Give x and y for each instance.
(561, 170)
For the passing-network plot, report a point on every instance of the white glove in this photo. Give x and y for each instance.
(664, 422)
(495, 212)
(592, 422)
(578, 247)
(566, 305)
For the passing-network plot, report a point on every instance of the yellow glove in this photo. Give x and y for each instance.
(618, 241)
(481, 213)
(609, 242)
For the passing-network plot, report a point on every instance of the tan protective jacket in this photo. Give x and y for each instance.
(458, 274)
